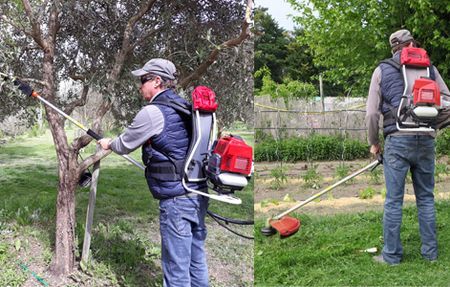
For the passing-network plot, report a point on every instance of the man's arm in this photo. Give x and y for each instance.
(373, 107)
(373, 111)
(147, 123)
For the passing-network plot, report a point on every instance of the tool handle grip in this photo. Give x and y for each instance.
(380, 161)
(94, 134)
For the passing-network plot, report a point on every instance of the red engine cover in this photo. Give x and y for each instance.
(236, 155)
(426, 92)
(412, 56)
(204, 99)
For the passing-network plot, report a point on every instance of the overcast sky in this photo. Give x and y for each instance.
(279, 9)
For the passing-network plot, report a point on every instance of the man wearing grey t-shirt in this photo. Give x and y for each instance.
(403, 151)
(164, 133)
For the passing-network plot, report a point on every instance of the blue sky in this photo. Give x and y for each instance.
(279, 9)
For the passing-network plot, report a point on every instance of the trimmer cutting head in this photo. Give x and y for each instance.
(268, 231)
(286, 226)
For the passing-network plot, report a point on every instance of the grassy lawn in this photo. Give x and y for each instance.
(326, 251)
(125, 242)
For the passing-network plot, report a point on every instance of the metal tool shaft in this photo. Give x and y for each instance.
(78, 124)
(373, 164)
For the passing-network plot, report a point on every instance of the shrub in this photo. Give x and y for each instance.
(443, 143)
(261, 136)
(289, 89)
(312, 178)
(440, 169)
(279, 174)
(342, 171)
(366, 193)
(376, 175)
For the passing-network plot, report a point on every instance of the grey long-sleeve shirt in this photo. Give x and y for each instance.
(147, 123)
(373, 105)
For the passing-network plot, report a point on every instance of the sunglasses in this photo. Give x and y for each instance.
(145, 79)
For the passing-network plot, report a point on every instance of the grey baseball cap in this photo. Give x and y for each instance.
(161, 67)
(400, 37)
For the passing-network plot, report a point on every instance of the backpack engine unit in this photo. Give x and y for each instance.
(229, 164)
(418, 110)
(225, 163)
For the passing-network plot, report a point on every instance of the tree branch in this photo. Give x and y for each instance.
(77, 77)
(36, 32)
(145, 37)
(87, 162)
(54, 21)
(81, 142)
(36, 81)
(81, 101)
(126, 42)
(119, 60)
(212, 57)
(103, 108)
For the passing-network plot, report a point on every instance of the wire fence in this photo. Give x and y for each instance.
(340, 117)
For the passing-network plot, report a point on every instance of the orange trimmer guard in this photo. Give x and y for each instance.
(286, 226)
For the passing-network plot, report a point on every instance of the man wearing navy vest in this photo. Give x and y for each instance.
(164, 134)
(403, 151)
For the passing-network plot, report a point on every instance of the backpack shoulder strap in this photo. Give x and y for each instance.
(432, 74)
(181, 108)
(392, 62)
(398, 66)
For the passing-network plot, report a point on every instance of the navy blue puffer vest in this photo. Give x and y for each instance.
(392, 86)
(165, 154)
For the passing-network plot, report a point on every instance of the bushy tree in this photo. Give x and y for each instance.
(348, 38)
(270, 46)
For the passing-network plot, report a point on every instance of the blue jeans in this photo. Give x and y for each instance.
(183, 234)
(403, 153)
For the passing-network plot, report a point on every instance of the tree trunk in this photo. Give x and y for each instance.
(64, 257)
(63, 261)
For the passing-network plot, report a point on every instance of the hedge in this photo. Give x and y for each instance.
(320, 147)
(316, 147)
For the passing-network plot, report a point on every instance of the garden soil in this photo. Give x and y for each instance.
(362, 193)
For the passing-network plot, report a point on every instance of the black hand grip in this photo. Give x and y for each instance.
(23, 87)
(380, 161)
(380, 158)
(94, 135)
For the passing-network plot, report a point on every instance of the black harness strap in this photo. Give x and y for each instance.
(183, 110)
(398, 66)
(393, 63)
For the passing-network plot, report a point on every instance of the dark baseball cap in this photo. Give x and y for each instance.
(160, 67)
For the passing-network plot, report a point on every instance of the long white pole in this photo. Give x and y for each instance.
(373, 164)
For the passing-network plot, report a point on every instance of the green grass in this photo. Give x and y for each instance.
(125, 240)
(326, 251)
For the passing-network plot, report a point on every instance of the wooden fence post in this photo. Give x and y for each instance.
(321, 93)
(90, 214)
